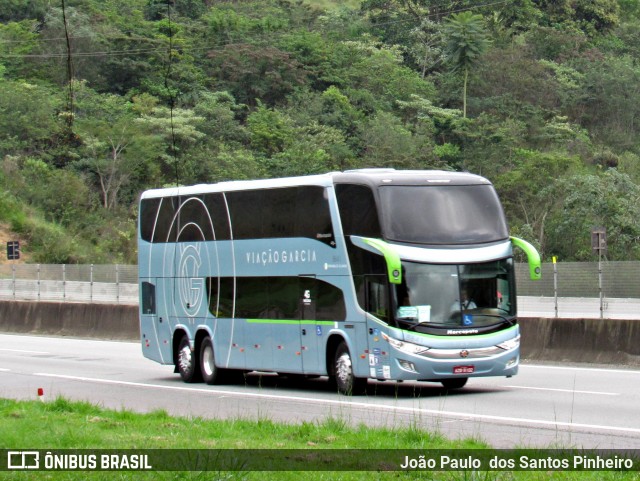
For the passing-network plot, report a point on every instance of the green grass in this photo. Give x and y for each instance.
(331, 4)
(62, 424)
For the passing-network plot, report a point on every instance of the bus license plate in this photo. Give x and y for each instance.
(464, 369)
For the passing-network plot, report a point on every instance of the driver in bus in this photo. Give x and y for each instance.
(465, 301)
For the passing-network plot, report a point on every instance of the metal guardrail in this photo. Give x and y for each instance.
(70, 283)
(570, 289)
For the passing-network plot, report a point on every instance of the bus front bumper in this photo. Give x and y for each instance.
(438, 364)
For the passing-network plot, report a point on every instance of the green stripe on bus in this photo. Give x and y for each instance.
(290, 322)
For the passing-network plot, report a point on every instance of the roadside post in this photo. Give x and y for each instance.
(13, 254)
(555, 283)
(599, 244)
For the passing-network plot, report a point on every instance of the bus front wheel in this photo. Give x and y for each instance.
(188, 366)
(210, 373)
(345, 380)
(455, 383)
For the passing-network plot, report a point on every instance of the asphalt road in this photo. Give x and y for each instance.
(576, 406)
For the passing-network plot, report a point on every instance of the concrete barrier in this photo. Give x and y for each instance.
(601, 341)
(103, 321)
(608, 341)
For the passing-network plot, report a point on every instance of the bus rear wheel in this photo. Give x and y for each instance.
(345, 380)
(456, 383)
(210, 373)
(187, 363)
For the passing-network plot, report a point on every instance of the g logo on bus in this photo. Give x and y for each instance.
(190, 287)
(464, 353)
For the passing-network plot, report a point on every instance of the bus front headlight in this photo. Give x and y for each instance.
(406, 347)
(510, 344)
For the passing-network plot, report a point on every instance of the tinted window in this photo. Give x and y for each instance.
(321, 301)
(247, 211)
(217, 209)
(148, 296)
(358, 211)
(194, 221)
(252, 298)
(376, 296)
(165, 228)
(255, 214)
(200, 218)
(148, 213)
(453, 214)
(368, 268)
(276, 298)
(284, 212)
(313, 217)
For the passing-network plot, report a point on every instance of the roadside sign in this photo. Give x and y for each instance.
(13, 250)
(599, 240)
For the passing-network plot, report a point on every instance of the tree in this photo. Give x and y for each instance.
(523, 191)
(610, 199)
(27, 117)
(117, 148)
(220, 112)
(250, 72)
(16, 10)
(60, 193)
(377, 70)
(314, 149)
(591, 16)
(271, 130)
(388, 143)
(466, 42)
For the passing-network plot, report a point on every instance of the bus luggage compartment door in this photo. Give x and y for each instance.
(311, 331)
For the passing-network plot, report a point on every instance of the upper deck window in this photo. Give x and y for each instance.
(442, 215)
(358, 210)
(286, 212)
(282, 212)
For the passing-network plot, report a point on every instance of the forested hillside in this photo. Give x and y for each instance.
(101, 99)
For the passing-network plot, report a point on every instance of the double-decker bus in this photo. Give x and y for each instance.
(357, 275)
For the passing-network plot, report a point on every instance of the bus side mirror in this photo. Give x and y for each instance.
(533, 258)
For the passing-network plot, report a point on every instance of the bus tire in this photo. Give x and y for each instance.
(210, 373)
(187, 362)
(455, 383)
(345, 380)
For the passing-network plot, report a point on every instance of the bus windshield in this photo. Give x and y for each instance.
(438, 215)
(460, 296)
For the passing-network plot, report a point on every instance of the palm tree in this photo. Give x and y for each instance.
(466, 42)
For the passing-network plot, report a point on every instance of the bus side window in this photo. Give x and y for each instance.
(148, 214)
(156, 217)
(321, 301)
(377, 297)
(148, 298)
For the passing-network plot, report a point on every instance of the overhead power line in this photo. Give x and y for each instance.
(187, 48)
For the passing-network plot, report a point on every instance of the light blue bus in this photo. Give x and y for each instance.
(357, 275)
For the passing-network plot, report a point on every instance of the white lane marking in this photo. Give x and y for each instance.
(601, 393)
(586, 369)
(65, 339)
(4, 370)
(380, 407)
(23, 351)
